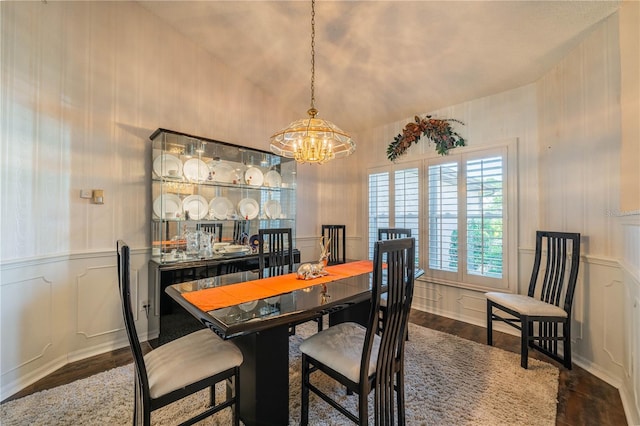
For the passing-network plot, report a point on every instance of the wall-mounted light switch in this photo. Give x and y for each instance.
(85, 193)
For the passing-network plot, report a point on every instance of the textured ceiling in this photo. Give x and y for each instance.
(382, 61)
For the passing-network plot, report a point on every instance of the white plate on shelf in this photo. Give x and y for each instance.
(222, 172)
(248, 208)
(195, 169)
(253, 176)
(221, 207)
(166, 206)
(272, 209)
(272, 179)
(167, 165)
(196, 205)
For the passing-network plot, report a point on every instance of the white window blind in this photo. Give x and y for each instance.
(443, 217)
(484, 217)
(378, 206)
(406, 199)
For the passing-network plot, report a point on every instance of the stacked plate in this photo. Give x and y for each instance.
(167, 165)
(166, 206)
(220, 208)
(223, 172)
(195, 169)
(248, 208)
(253, 176)
(272, 179)
(196, 205)
(272, 209)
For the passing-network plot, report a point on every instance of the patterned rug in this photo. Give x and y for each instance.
(449, 381)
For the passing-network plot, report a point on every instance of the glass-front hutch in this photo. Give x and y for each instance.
(209, 198)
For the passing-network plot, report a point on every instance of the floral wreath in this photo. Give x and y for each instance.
(437, 130)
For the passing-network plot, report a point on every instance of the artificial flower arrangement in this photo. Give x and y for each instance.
(437, 130)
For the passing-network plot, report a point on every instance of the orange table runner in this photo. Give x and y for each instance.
(234, 294)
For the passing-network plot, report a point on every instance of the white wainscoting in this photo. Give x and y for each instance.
(61, 309)
(605, 326)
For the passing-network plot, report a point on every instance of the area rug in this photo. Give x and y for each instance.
(449, 381)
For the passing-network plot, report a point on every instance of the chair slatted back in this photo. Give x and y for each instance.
(278, 260)
(562, 255)
(124, 283)
(337, 244)
(393, 268)
(240, 227)
(215, 229)
(393, 233)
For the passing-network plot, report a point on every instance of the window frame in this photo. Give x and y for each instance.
(508, 151)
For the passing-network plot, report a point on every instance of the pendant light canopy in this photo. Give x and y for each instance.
(312, 139)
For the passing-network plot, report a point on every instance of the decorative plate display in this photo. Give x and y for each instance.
(167, 165)
(221, 207)
(253, 176)
(196, 205)
(195, 169)
(272, 179)
(166, 206)
(222, 172)
(248, 208)
(273, 209)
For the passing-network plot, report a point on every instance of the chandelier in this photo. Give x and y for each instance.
(312, 140)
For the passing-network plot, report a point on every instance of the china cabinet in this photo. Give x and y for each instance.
(209, 199)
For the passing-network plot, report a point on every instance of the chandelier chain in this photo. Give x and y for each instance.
(313, 53)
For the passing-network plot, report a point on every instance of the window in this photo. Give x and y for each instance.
(466, 209)
(394, 202)
(466, 204)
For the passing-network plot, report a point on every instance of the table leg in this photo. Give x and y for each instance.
(358, 313)
(264, 377)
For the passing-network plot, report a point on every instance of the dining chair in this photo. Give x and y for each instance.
(390, 234)
(215, 229)
(275, 251)
(179, 368)
(548, 301)
(393, 233)
(358, 357)
(240, 231)
(337, 243)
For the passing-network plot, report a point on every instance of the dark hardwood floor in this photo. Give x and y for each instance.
(583, 399)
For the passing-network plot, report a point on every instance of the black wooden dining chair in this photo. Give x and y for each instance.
(337, 243)
(360, 358)
(215, 229)
(390, 234)
(240, 231)
(393, 233)
(548, 301)
(179, 368)
(275, 251)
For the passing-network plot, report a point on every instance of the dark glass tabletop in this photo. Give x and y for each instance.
(286, 308)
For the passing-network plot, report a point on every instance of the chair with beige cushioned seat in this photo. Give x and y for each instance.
(179, 368)
(548, 302)
(390, 234)
(358, 357)
(335, 234)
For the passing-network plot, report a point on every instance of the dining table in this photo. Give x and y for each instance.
(258, 314)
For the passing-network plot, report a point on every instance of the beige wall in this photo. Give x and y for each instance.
(630, 106)
(84, 84)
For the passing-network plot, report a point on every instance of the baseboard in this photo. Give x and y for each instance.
(9, 389)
